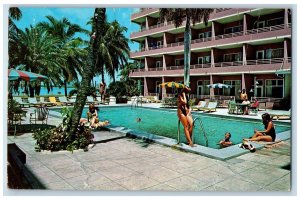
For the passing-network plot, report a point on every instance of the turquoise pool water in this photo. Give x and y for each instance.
(165, 122)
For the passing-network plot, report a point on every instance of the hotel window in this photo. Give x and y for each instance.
(274, 88)
(200, 60)
(274, 53)
(233, 57)
(260, 54)
(179, 62)
(179, 39)
(235, 87)
(233, 29)
(274, 22)
(207, 59)
(204, 35)
(206, 90)
(260, 24)
(157, 64)
(158, 43)
(201, 35)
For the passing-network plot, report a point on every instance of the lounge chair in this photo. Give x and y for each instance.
(40, 115)
(53, 100)
(212, 106)
(231, 107)
(21, 102)
(280, 115)
(33, 101)
(253, 109)
(64, 101)
(46, 103)
(98, 100)
(201, 104)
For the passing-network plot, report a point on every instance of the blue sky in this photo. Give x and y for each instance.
(80, 16)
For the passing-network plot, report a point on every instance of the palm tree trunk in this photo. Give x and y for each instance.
(65, 84)
(99, 17)
(102, 74)
(187, 51)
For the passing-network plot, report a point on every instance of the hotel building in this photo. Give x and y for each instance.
(246, 48)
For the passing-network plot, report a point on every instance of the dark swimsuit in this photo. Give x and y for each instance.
(271, 133)
(182, 106)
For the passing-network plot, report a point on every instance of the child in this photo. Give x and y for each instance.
(226, 141)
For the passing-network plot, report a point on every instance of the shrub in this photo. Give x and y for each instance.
(59, 138)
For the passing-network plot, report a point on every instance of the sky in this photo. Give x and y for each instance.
(80, 16)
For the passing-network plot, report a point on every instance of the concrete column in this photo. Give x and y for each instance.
(165, 40)
(145, 87)
(244, 55)
(286, 17)
(244, 24)
(285, 51)
(212, 57)
(211, 91)
(243, 82)
(213, 33)
(147, 24)
(164, 63)
(146, 64)
(163, 90)
(146, 44)
(165, 22)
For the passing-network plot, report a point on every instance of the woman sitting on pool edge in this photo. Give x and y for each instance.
(267, 135)
(96, 124)
(226, 141)
(184, 114)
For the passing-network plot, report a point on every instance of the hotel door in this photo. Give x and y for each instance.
(199, 91)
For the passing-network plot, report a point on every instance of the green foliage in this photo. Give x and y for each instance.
(14, 107)
(122, 88)
(59, 138)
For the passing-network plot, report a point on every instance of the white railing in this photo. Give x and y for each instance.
(229, 35)
(195, 66)
(265, 29)
(175, 67)
(229, 64)
(156, 47)
(265, 61)
(156, 26)
(201, 40)
(155, 69)
(175, 44)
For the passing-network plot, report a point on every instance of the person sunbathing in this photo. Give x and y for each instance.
(97, 123)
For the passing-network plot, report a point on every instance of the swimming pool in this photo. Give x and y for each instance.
(164, 122)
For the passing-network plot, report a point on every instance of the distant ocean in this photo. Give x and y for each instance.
(44, 91)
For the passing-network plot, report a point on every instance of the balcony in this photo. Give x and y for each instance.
(254, 66)
(238, 37)
(143, 12)
(170, 25)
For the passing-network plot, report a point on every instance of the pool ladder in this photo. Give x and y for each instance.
(135, 102)
(201, 128)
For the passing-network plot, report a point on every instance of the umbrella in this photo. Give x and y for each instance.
(14, 75)
(171, 85)
(218, 85)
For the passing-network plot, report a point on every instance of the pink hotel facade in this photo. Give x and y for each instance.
(243, 47)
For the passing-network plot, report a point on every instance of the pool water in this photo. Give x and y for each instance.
(165, 123)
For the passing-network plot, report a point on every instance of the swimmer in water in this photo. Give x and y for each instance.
(138, 119)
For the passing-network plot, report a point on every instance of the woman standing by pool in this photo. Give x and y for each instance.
(184, 114)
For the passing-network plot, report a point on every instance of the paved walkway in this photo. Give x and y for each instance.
(117, 163)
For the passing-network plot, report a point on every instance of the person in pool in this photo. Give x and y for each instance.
(226, 141)
(184, 114)
(267, 135)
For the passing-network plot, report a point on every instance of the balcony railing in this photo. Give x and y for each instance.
(222, 9)
(229, 64)
(230, 35)
(139, 70)
(156, 47)
(155, 69)
(156, 26)
(195, 66)
(175, 67)
(266, 61)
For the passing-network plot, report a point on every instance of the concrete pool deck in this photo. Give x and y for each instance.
(118, 163)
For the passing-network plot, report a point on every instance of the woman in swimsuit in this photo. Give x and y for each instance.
(267, 135)
(184, 114)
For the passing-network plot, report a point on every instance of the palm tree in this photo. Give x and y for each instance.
(14, 14)
(71, 47)
(192, 15)
(97, 29)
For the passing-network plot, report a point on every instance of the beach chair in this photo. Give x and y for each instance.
(39, 115)
(212, 106)
(280, 115)
(201, 104)
(46, 103)
(21, 102)
(53, 101)
(231, 107)
(33, 101)
(64, 101)
(98, 100)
